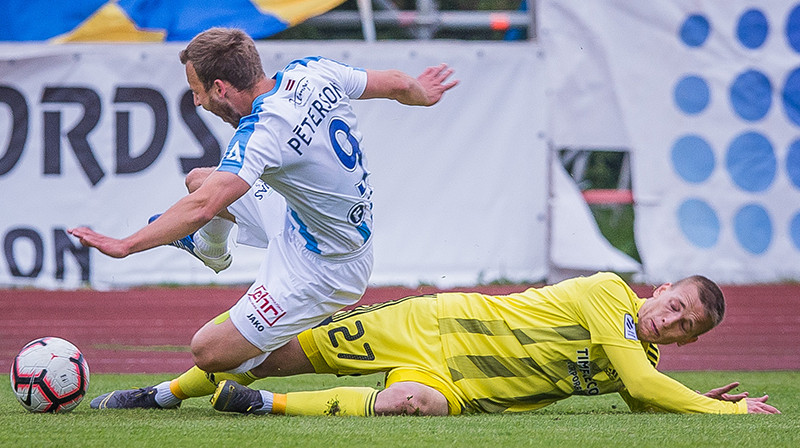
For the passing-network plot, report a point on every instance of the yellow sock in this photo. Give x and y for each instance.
(198, 383)
(350, 401)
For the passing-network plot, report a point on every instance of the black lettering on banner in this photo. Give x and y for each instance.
(80, 252)
(38, 246)
(19, 127)
(77, 136)
(212, 151)
(156, 102)
(369, 356)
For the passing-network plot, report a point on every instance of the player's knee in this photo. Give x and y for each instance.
(196, 177)
(409, 398)
(206, 356)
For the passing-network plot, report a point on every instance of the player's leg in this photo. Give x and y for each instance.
(219, 346)
(210, 243)
(411, 398)
(196, 177)
(260, 214)
(402, 398)
(169, 394)
(376, 338)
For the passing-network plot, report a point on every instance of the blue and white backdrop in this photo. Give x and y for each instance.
(706, 96)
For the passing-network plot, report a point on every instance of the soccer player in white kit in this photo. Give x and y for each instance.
(296, 159)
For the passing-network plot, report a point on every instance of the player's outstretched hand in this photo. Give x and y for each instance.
(434, 82)
(721, 393)
(107, 245)
(759, 406)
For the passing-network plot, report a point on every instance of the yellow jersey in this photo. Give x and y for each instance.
(524, 351)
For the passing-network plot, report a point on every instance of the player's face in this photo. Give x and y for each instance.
(673, 314)
(209, 99)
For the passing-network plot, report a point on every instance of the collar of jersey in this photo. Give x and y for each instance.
(260, 99)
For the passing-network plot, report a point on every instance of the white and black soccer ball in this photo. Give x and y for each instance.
(50, 375)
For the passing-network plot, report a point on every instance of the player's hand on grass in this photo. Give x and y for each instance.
(107, 245)
(759, 406)
(721, 393)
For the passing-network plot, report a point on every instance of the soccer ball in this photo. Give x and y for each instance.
(49, 375)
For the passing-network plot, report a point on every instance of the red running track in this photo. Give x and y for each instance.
(148, 330)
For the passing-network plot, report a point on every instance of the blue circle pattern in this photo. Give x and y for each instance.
(794, 230)
(791, 96)
(695, 30)
(750, 158)
(793, 28)
(692, 94)
(699, 223)
(752, 29)
(793, 163)
(751, 162)
(753, 228)
(693, 158)
(751, 95)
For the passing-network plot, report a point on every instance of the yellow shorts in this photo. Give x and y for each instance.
(376, 338)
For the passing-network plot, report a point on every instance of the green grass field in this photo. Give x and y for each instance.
(579, 421)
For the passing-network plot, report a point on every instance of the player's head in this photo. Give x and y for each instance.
(228, 54)
(219, 59)
(682, 311)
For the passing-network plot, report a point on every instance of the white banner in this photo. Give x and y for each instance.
(706, 95)
(102, 135)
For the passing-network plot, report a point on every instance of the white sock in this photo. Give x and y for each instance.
(266, 397)
(212, 239)
(166, 399)
(217, 230)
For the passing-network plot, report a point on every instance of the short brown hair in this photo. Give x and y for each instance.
(228, 54)
(710, 296)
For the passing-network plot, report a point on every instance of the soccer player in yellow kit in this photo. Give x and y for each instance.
(454, 353)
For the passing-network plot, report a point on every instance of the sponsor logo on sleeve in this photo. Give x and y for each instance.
(630, 328)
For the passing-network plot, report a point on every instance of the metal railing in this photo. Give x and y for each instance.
(425, 21)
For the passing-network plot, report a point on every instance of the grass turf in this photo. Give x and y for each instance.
(579, 421)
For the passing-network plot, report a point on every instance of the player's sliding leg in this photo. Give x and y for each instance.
(169, 394)
(209, 244)
(197, 383)
(234, 397)
(404, 398)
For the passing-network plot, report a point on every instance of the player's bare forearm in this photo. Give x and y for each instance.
(167, 228)
(185, 217)
(426, 90)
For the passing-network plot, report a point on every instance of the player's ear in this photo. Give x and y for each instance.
(219, 87)
(661, 289)
(688, 341)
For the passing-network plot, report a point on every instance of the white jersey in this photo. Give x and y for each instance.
(302, 140)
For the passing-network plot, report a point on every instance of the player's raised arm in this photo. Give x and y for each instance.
(426, 90)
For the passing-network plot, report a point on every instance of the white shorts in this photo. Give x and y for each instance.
(260, 215)
(295, 289)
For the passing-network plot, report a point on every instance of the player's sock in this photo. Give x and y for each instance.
(266, 397)
(198, 383)
(164, 397)
(351, 401)
(212, 239)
